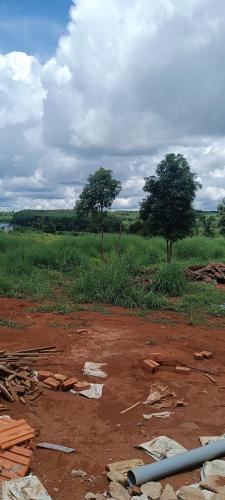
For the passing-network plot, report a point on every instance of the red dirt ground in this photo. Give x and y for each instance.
(95, 428)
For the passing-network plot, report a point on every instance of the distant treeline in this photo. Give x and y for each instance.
(62, 220)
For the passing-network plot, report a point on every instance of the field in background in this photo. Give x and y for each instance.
(67, 271)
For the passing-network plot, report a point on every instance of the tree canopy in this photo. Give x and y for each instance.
(168, 208)
(98, 195)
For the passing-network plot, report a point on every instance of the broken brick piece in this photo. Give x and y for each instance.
(82, 386)
(207, 354)
(183, 369)
(82, 330)
(43, 374)
(198, 355)
(52, 383)
(59, 377)
(157, 356)
(69, 383)
(150, 365)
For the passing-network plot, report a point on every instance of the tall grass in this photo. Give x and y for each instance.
(38, 266)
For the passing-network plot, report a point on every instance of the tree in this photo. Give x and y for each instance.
(167, 209)
(221, 210)
(97, 197)
(208, 225)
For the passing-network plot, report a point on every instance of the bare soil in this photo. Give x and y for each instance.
(95, 428)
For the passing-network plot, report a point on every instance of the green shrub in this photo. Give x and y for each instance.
(170, 280)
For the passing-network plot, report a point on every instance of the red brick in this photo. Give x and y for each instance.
(207, 354)
(150, 365)
(69, 383)
(198, 355)
(52, 383)
(59, 377)
(183, 369)
(157, 356)
(43, 374)
(82, 386)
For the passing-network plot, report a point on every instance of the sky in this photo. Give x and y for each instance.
(109, 83)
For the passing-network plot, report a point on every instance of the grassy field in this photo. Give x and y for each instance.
(67, 270)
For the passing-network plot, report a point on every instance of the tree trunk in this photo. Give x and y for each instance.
(167, 251)
(169, 248)
(102, 236)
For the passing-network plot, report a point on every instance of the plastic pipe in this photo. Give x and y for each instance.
(172, 465)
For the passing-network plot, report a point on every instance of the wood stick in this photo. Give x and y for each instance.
(6, 393)
(39, 349)
(130, 408)
(211, 378)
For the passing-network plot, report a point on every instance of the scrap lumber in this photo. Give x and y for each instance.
(210, 272)
(14, 433)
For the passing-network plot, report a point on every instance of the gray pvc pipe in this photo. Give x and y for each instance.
(183, 461)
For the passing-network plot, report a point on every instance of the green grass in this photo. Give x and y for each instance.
(170, 280)
(10, 323)
(69, 271)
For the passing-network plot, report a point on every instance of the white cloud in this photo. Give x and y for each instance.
(129, 82)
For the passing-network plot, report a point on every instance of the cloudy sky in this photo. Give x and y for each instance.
(113, 83)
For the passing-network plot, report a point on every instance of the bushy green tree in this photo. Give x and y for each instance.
(221, 211)
(168, 207)
(97, 197)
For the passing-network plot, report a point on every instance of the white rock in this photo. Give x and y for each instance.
(152, 490)
(168, 493)
(118, 492)
(78, 473)
(190, 493)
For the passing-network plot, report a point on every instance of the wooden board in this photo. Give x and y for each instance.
(15, 462)
(14, 433)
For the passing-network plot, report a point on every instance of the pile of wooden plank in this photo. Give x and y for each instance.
(17, 377)
(15, 448)
(214, 271)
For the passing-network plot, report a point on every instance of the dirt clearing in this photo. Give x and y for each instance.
(96, 428)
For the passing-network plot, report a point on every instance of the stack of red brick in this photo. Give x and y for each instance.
(58, 381)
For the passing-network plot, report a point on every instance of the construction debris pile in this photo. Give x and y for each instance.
(211, 272)
(16, 448)
(17, 378)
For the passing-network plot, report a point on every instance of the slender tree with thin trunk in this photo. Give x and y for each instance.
(167, 210)
(97, 197)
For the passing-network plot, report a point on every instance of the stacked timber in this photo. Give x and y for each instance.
(214, 271)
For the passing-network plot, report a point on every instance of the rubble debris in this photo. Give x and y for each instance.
(150, 365)
(122, 468)
(94, 369)
(168, 493)
(94, 392)
(152, 490)
(79, 473)
(207, 354)
(28, 488)
(190, 493)
(52, 383)
(56, 447)
(157, 393)
(213, 271)
(210, 439)
(211, 378)
(162, 447)
(163, 414)
(213, 468)
(118, 491)
(69, 383)
(157, 356)
(199, 356)
(82, 386)
(213, 483)
(183, 369)
(130, 408)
